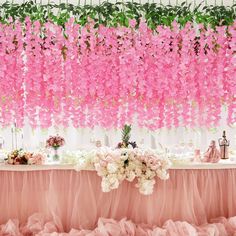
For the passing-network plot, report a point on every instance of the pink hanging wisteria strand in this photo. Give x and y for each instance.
(108, 76)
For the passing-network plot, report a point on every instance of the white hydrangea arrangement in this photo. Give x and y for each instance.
(117, 165)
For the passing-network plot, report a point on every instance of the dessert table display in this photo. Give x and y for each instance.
(126, 190)
(112, 66)
(196, 199)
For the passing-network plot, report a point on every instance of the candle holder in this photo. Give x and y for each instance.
(224, 146)
(197, 155)
(1, 143)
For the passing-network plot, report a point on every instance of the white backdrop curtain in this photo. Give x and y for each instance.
(85, 138)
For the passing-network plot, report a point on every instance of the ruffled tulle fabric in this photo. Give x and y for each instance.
(39, 226)
(72, 202)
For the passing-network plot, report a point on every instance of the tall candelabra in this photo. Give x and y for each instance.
(14, 137)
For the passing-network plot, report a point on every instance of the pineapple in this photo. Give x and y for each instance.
(126, 133)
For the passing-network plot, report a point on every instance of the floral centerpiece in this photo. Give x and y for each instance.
(126, 134)
(21, 157)
(55, 142)
(117, 165)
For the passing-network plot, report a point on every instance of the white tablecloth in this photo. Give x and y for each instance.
(223, 164)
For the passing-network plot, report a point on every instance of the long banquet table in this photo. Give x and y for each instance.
(193, 193)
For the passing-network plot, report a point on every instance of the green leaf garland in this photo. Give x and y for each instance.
(113, 14)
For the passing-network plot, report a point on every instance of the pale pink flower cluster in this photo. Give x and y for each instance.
(20, 157)
(55, 142)
(114, 166)
(36, 159)
(152, 166)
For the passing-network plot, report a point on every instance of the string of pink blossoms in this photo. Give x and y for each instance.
(111, 76)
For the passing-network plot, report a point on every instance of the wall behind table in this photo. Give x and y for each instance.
(85, 137)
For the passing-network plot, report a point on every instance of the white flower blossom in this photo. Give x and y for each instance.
(130, 176)
(112, 167)
(146, 186)
(105, 185)
(162, 174)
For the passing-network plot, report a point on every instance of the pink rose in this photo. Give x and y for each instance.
(37, 159)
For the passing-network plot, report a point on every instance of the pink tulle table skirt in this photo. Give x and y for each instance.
(75, 200)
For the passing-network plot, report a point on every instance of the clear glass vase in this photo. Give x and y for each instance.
(56, 157)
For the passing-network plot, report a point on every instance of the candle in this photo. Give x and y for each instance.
(12, 139)
(22, 140)
(15, 134)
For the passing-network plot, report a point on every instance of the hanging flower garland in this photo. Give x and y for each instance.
(111, 76)
(11, 75)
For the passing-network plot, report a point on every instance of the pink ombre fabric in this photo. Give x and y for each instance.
(191, 202)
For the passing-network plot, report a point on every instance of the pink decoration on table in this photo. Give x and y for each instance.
(115, 166)
(37, 159)
(20, 157)
(98, 144)
(197, 155)
(108, 76)
(55, 142)
(212, 154)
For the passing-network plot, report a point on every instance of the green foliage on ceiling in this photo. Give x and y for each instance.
(113, 14)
